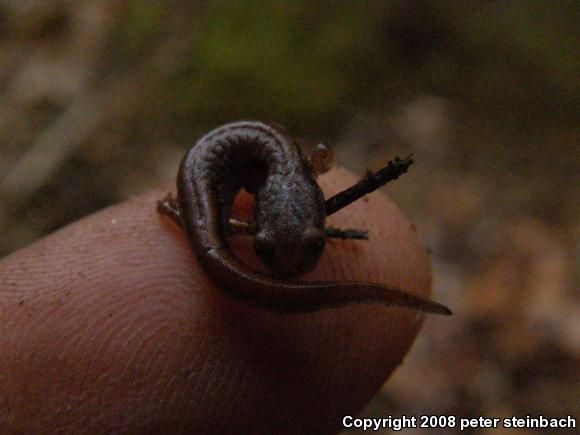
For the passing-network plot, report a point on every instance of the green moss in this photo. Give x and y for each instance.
(286, 60)
(139, 26)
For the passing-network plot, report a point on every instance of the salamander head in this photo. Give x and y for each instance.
(291, 253)
(290, 235)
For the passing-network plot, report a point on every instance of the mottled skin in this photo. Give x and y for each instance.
(289, 221)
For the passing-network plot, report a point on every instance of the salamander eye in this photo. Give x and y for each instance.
(318, 245)
(264, 247)
(315, 242)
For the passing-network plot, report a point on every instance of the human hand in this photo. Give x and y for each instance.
(110, 326)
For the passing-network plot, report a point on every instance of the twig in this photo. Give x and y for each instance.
(370, 183)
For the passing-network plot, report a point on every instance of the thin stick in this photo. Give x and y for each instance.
(370, 183)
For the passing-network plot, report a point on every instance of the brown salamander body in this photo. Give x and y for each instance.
(289, 222)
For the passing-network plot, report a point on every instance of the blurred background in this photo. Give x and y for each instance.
(100, 98)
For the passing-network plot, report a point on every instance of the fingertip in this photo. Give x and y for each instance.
(133, 316)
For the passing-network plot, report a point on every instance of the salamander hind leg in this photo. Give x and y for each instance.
(169, 206)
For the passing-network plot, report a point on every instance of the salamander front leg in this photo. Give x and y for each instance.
(321, 160)
(169, 206)
(239, 227)
(337, 233)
